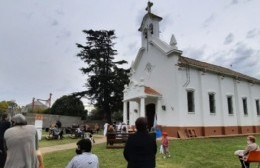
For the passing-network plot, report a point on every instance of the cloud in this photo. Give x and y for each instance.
(54, 23)
(209, 20)
(245, 60)
(234, 2)
(241, 58)
(242, 53)
(62, 36)
(229, 39)
(59, 12)
(166, 22)
(28, 15)
(139, 17)
(252, 33)
(195, 53)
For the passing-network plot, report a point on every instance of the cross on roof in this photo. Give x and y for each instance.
(149, 6)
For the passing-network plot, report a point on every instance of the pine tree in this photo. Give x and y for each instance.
(105, 82)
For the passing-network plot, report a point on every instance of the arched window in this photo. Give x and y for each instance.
(151, 28)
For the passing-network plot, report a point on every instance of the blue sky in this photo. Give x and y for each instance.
(37, 38)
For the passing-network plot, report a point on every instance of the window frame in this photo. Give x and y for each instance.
(257, 103)
(214, 103)
(245, 106)
(192, 103)
(230, 104)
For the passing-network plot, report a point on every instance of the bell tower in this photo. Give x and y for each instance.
(150, 25)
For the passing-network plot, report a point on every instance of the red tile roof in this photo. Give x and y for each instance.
(185, 61)
(151, 91)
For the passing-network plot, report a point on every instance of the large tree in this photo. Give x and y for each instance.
(106, 80)
(68, 105)
(4, 105)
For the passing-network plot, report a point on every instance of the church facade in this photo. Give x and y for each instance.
(179, 93)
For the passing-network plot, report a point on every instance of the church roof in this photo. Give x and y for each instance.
(163, 46)
(151, 91)
(149, 15)
(185, 61)
(37, 103)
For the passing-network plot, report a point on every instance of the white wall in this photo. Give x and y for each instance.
(202, 84)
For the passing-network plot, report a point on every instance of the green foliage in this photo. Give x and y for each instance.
(38, 110)
(5, 104)
(117, 116)
(95, 114)
(47, 111)
(106, 80)
(68, 105)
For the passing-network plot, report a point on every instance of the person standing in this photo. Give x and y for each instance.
(84, 157)
(21, 144)
(165, 145)
(140, 148)
(105, 129)
(4, 125)
(243, 154)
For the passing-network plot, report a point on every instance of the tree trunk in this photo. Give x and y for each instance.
(107, 112)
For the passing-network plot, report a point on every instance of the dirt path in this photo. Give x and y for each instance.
(67, 146)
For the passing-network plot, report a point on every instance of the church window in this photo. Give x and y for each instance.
(190, 100)
(151, 28)
(230, 105)
(244, 100)
(212, 107)
(257, 107)
(145, 33)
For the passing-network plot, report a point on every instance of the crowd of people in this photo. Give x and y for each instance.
(19, 146)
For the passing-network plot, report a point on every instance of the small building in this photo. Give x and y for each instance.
(180, 93)
(35, 106)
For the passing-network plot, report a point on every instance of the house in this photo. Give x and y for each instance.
(35, 106)
(179, 93)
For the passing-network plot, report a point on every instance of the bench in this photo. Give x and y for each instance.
(116, 140)
(254, 156)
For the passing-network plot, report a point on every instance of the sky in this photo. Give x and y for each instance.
(38, 38)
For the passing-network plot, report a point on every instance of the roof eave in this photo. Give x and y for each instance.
(222, 73)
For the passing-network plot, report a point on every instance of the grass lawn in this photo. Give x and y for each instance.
(193, 153)
(44, 142)
(67, 139)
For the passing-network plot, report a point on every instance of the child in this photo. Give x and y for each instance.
(165, 145)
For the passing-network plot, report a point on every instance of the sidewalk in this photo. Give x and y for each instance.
(67, 146)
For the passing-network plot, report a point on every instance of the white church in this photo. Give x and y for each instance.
(180, 93)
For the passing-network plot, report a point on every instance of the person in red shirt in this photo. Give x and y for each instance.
(165, 145)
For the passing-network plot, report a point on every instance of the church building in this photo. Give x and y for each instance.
(179, 93)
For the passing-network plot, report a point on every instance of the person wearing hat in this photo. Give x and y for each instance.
(21, 144)
(165, 145)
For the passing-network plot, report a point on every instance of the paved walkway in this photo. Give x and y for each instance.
(68, 146)
(98, 140)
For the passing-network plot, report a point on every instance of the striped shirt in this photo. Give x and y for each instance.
(84, 160)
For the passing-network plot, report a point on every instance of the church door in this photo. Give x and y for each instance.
(150, 112)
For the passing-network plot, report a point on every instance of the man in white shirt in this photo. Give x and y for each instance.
(84, 157)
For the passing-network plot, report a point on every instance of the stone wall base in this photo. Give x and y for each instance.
(211, 131)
